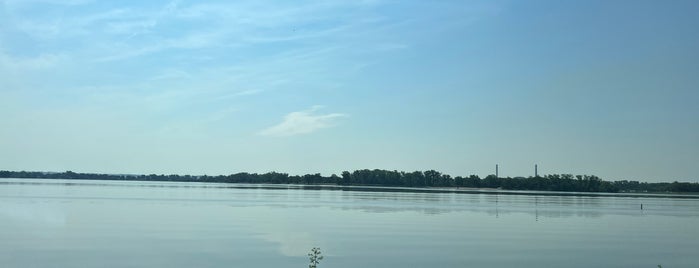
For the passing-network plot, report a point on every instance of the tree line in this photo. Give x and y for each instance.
(378, 177)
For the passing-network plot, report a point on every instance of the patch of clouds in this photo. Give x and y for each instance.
(242, 93)
(20, 3)
(303, 122)
(42, 61)
(171, 74)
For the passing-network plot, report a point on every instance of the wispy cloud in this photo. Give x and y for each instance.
(303, 122)
(41, 61)
(248, 92)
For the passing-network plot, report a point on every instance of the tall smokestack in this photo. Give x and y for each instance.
(496, 170)
(536, 170)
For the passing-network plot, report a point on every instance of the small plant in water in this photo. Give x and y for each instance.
(315, 257)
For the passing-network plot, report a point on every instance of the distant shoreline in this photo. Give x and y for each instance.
(364, 188)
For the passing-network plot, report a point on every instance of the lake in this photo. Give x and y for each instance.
(71, 223)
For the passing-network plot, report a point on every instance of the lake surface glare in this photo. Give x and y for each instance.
(70, 223)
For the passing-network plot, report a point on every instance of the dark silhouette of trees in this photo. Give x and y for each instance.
(379, 177)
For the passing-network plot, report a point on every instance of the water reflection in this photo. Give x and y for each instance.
(192, 225)
(366, 199)
(33, 213)
(491, 204)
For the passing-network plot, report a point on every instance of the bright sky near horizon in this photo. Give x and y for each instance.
(609, 88)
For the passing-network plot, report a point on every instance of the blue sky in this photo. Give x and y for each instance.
(215, 87)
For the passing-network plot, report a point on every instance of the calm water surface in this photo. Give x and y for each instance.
(56, 223)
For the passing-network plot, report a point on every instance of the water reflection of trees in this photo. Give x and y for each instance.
(422, 201)
(503, 205)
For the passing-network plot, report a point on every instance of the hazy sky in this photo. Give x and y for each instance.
(609, 88)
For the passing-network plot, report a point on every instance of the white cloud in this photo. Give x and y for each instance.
(303, 122)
